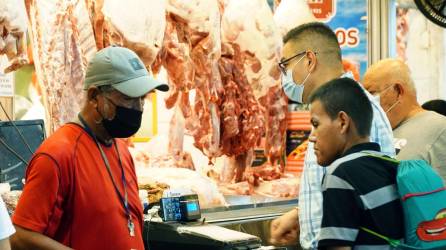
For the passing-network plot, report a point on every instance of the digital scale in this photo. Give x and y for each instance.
(180, 208)
(178, 227)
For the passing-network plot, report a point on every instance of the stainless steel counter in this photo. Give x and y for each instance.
(247, 213)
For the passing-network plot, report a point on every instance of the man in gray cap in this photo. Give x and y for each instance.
(81, 190)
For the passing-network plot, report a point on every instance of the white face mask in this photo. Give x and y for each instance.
(377, 97)
(293, 90)
(392, 106)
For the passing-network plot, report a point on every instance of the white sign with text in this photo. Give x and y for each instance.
(6, 80)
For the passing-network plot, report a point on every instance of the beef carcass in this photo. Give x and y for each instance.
(245, 23)
(175, 57)
(276, 105)
(242, 116)
(234, 167)
(190, 55)
(13, 33)
(114, 23)
(176, 132)
(135, 24)
(260, 59)
(97, 21)
(180, 158)
(63, 43)
(286, 17)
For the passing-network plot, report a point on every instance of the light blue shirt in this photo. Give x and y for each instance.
(310, 194)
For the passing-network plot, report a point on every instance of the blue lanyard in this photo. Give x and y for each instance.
(123, 199)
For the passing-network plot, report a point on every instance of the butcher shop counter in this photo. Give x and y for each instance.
(251, 219)
(237, 214)
(199, 235)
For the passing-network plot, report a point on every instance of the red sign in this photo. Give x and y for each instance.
(323, 10)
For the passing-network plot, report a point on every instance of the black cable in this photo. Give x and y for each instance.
(18, 131)
(13, 151)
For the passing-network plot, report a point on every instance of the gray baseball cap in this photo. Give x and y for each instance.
(122, 69)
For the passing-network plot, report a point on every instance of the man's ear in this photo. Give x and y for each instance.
(312, 61)
(399, 89)
(344, 122)
(92, 95)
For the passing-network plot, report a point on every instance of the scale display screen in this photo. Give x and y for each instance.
(192, 207)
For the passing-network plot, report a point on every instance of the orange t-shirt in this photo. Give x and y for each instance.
(69, 195)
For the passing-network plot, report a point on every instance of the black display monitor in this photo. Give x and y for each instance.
(16, 148)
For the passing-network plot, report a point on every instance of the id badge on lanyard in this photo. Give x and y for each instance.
(122, 198)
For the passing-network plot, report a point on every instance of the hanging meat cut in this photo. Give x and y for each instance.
(176, 156)
(13, 33)
(140, 27)
(113, 26)
(242, 116)
(63, 43)
(97, 20)
(244, 29)
(286, 18)
(247, 28)
(190, 54)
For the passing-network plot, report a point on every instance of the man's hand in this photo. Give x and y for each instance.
(285, 229)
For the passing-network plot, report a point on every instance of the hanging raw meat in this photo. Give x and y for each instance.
(276, 105)
(247, 29)
(135, 24)
(177, 156)
(175, 57)
(190, 55)
(13, 33)
(286, 18)
(63, 42)
(245, 23)
(97, 20)
(242, 117)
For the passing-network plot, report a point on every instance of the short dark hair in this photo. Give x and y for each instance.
(437, 105)
(315, 35)
(345, 94)
(106, 88)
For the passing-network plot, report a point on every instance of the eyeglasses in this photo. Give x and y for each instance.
(283, 64)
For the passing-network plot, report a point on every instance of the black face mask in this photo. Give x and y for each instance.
(125, 123)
